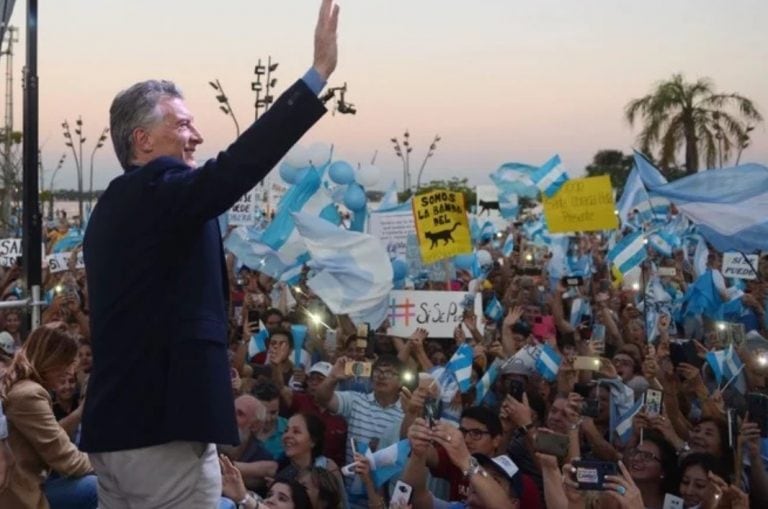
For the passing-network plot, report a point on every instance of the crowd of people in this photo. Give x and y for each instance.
(305, 420)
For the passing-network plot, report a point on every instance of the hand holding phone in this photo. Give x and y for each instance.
(590, 475)
(401, 495)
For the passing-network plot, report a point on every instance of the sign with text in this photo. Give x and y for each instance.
(243, 212)
(59, 262)
(582, 205)
(392, 228)
(441, 224)
(10, 250)
(438, 312)
(736, 266)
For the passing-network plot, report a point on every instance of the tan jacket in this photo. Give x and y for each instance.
(39, 445)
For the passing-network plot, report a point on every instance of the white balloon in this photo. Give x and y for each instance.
(368, 175)
(318, 154)
(297, 157)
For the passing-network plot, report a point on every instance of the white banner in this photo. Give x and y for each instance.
(736, 266)
(438, 312)
(392, 228)
(243, 212)
(10, 250)
(58, 262)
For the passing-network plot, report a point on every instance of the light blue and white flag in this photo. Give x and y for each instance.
(579, 309)
(494, 310)
(258, 342)
(460, 366)
(299, 333)
(663, 243)
(389, 201)
(385, 463)
(509, 206)
(515, 178)
(483, 386)
(623, 408)
(72, 239)
(650, 176)
(548, 362)
(725, 364)
(634, 197)
(509, 245)
(487, 232)
(550, 177)
(353, 274)
(629, 252)
(624, 428)
(736, 220)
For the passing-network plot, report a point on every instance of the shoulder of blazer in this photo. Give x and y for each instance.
(24, 389)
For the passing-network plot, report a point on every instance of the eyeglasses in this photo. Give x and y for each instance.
(474, 433)
(644, 456)
(381, 373)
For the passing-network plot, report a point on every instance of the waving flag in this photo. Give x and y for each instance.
(629, 252)
(460, 366)
(353, 272)
(550, 177)
(548, 362)
(515, 178)
(650, 176)
(389, 201)
(509, 245)
(494, 310)
(509, 206)
(725, 364)
(663, 243)
(623, 409)
(72, 239)
(258, 342)
(483, 386)
(634, 196)
(385, 463)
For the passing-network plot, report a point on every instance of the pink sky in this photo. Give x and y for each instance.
(498, 80)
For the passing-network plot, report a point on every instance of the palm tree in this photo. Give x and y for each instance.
(677, 113)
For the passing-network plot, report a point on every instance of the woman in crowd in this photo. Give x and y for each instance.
(13, 325)
(652, 465)
(284, 493)
(37, 440)
(696, 488)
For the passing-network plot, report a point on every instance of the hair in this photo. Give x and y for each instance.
(298, 491)
(272, 311)
(266, 391)
(316, 430)
(134, 108)
(389, 360)
(668, 457)
(484, 416)
(45, 350)
(722, 431)
(708, 462)
(283, 332)
(327, 486)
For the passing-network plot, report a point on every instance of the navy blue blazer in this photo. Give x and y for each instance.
(158, 289)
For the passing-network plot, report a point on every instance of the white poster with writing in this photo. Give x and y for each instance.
(243, 212)
(393, 229)
(10, 250)
(59, 262)
(736, 266)
(438, 312)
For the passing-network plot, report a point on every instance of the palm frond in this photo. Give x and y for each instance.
(673, 139)
(709, 144)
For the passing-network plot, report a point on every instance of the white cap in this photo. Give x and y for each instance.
(324, 368)
(7, 344)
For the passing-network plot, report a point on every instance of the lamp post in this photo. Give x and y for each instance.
(342, 106)
(224, 105)
(269, 83)
(70, 142)
(430, 153)
(50, 185)
(99, 144)
(403, 152)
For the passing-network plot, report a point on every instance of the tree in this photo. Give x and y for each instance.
(678, 114)
(612, 163)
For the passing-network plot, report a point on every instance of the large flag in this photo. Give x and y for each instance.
(629, 252)
(729, 206)
(353, 274)
(509, 205)
(623, 409)
(515, 178)
(460, 366)
(703, 298)
(550, 177)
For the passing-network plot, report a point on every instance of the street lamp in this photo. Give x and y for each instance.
(50, 185)
(99, 144)
(342, 106)
(70, 142)
(269, 83)
(403, 152)
(224, 105)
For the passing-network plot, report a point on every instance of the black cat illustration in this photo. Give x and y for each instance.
(444, 235)
(487, 206)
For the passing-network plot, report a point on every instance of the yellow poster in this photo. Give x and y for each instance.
(582, 205)
(441, 224)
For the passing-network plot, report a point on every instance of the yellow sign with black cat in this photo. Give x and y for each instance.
(441, 225)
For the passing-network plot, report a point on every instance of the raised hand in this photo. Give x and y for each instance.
(326, 49)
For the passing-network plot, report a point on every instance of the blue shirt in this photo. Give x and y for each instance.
(274, 444)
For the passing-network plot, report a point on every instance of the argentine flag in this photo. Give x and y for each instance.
(548, 362)
(550, 177)
(629, 252)
(623, 409)
(385, 463)
(515, 178)
(258, 342)
(483, 386)
(663, 243)
(725, 364)
(509, 245)
(494, 310)
(460, 366)
(508, 205)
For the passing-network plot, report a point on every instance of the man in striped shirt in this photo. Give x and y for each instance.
(369, 416)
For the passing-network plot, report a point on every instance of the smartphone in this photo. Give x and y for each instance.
(432, 410)
(757, 406)
(409, 380)
(685, 352)
(554, 444)
(254, 316)
(733, 427)
(597, 338)
(590, 475)
(667, 271)
(567, 281)
(401, 495)
(583, 389)
(590, 408)
(358, 369)
(517, 389)
(583, 363)
(363, 330)
(672, 502)
(653, 399)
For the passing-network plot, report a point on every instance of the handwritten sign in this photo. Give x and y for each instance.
(438, 312)
(10, 250)
(584, 205)
(393, 229)
(243, 212)
(441, 225)
(736, 266)
(59, 262)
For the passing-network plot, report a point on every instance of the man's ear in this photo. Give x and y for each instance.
(143, 142)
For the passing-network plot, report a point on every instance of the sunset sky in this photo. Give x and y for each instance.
(499, 80)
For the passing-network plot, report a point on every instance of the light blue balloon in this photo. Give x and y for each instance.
(464, 261)
(341, 172)
(399, 269)
(354, 198)
(288, 172)
(301, 173)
